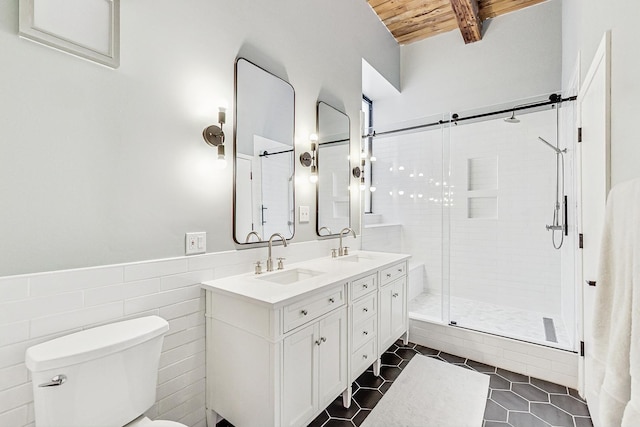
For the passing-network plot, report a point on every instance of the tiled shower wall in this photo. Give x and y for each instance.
(36, 308)
(500, 251)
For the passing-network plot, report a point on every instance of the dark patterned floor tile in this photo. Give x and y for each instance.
(367, 379)
(529, 392)
(319, 420)
(494, 412)
(400, 344)
(552, 415)
(498, 382)
(549, 387)
(426, 350)
(359, 419)
(390, 359)
(404, 364)
(390, 373)
(385, 387)
(462, 365)
(573, 392)
(525, 419)
(509, 400)
(481, 367)
(583, 422)
(512, 376)
(406, 353)
(334, 422)
(451, 358)
(570, 404)
(336, 410)
(367, 399)
(224, 423)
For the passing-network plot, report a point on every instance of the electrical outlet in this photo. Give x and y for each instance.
(196, 243)
(304, 214)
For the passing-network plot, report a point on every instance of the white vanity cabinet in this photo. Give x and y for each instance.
(278, 353)
(276, 365)
(316, 368)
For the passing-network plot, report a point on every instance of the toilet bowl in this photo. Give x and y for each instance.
(104, 376)
(146, 422)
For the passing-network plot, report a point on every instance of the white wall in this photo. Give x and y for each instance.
(584, 23)
(38, 307)
(518, 57)
(104, 166)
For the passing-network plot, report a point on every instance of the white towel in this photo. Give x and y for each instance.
(616, 321)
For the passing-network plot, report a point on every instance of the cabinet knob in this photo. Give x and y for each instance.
(365, 309)
(318, 342)
(304, 312)
(399, 270)
(395, 295)
(365, 357)
(365, 286)
(331, 300)
(365, 333)
(388, 274)
(323, 339)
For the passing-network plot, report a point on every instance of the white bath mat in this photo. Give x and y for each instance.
(430, 392)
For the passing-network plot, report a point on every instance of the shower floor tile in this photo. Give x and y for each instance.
(495, 319)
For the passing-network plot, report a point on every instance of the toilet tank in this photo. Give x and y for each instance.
(111, 374)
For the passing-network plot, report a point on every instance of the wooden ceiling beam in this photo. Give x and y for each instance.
(468, 17)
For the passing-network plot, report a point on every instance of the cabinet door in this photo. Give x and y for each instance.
(300, 379)
(332, 357)
(398, 309)
(392, 313)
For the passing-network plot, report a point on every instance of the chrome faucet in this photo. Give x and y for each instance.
(252, 233)
(269, 259)
(343, 251)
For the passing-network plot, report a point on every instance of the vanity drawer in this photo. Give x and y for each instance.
(364, 308)
(392, 273)
(363, 331)
(301, 312)
(363, 357)
(363, 286)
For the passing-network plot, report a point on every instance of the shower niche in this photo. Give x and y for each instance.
(482, 188)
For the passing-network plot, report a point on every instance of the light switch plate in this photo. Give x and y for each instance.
(304, 214)
(196, 243)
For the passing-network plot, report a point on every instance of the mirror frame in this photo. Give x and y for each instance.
(347, 172)
(264, 240)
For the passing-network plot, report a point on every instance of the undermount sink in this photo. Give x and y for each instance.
(355, 258)
(288, 277)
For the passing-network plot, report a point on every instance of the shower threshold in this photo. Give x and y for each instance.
(524, 325)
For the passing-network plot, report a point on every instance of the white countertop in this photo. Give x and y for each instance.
(333, 271)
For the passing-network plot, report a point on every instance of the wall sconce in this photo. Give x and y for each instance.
(214, 136)
(309, 159)
(358, 172)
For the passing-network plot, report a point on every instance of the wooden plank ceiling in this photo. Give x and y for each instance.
(413, 20)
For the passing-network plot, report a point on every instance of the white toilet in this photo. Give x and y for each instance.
(100, 377)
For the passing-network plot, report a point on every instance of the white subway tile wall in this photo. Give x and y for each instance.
(557, 366)
(39, 307)
(504, 256)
